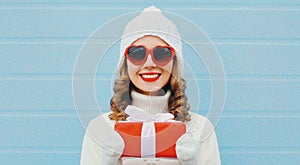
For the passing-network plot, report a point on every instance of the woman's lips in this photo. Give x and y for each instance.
(150, 77)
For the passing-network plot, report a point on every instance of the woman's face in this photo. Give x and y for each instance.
(148, 77)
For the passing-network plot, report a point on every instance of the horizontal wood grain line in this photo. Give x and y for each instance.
(104, 39)
(72, 114)
(213, 42)
(40, 150)
(138, 6)
(77, 150)
(260, 150)
(110, 77)
(120, 2)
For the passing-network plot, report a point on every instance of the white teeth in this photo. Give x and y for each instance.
(150, 75)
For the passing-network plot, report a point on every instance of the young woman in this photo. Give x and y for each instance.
(150, 79)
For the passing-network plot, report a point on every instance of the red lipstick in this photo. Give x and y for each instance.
(150, 76)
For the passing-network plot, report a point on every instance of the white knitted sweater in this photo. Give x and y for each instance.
(201, 129)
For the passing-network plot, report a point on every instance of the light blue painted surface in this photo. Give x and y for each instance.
(258, 42)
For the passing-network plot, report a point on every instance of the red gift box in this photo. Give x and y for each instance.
(166, 135)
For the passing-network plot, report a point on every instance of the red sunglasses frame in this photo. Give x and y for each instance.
(150, 51)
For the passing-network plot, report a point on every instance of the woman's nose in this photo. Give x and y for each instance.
(149, 62)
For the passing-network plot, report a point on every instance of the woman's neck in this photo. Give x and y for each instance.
(152, 103)
(160, 92)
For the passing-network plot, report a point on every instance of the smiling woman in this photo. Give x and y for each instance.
(150, 76)
(150, 110)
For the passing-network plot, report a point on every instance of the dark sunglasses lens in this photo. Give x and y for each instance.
(162, 55)
(136, 54)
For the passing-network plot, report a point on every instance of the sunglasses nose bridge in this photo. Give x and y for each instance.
(149, 61)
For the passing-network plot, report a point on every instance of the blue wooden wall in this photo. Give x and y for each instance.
(258, 42)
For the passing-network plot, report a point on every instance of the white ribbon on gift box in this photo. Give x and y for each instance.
(148, 139)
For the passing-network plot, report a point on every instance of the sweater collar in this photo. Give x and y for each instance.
(151, 104)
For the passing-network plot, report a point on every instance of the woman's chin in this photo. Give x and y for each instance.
(153, 91)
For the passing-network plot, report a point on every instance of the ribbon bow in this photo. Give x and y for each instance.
(138, 114)
(148, 140)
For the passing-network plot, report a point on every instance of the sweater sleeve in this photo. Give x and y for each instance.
(101, 145)
(209, 151)
(204, 139)
(91, 153)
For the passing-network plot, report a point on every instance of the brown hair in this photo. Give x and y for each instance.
(178, 104)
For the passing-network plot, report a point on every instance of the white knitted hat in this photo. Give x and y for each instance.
(152, 22)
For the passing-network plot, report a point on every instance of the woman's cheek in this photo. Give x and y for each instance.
(132, 70)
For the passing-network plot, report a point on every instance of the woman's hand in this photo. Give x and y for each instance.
(187, 150)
